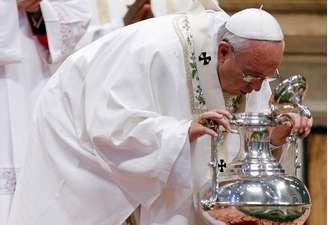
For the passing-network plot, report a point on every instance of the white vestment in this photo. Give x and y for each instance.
(110, 132)
(24, 69)
(10, 48)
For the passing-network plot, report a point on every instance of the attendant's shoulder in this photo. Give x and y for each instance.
(139, 42)
(155, 36)
(219, 17)
(157, 32)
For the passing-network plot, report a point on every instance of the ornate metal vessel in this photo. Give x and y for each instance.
(254, 188)
(288, 96)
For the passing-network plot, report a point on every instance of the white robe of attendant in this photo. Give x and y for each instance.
(24, 70)
(110, 134)
(108, 15)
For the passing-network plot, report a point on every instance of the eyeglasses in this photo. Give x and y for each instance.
(249, 77)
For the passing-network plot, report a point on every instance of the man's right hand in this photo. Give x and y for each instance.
(198, 127)
(139, 10)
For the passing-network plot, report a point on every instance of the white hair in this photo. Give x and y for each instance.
(239, 44)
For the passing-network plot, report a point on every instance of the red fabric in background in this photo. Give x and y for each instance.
(43, 39)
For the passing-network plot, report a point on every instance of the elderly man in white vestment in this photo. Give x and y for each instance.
(115, 130)
(34, 37)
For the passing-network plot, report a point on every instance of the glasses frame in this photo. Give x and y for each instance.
(251, 78)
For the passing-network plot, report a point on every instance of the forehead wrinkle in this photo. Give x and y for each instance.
(264, 55)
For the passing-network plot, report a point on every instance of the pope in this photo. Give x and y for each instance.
(117, 129)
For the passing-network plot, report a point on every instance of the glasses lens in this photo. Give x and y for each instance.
(250, 78)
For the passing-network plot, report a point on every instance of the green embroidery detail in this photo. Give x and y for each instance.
(198, 93)
(232, 103)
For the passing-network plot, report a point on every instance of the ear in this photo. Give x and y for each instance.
(224, 51)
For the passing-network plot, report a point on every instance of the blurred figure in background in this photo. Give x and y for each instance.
(34, 37)
(110, 15)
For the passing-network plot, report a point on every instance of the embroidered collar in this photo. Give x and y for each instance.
(232, 102)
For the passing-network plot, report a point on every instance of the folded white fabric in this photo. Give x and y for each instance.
(10, 49)
(165, 7)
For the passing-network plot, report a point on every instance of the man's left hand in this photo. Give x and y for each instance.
(31, 6)
(302, 127)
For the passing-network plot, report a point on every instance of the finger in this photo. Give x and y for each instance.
(310, 122)
(305, 133)
(306, 129)
(297, 122)
(218, 118)
(304, 124)
(299, 127)
(225, 123)
(206, 130)
(224, 112)
(212, 115)
(204, 117)
(196, 130)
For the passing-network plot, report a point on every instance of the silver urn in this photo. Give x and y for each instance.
(254, 188)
